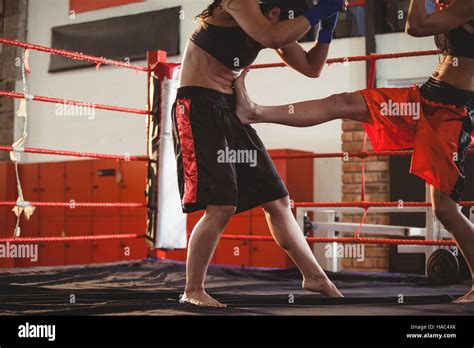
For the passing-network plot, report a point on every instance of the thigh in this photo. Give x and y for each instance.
(200, 135)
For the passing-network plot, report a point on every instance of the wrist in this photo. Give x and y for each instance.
(325, 36)
(311, 17)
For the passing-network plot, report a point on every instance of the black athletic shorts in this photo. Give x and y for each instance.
(220, 160)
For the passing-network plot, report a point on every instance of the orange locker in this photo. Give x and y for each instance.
(78, 252)
(29, 255)
(29, 177)
(7, 218)
(268, 254)
(239, 225)
(51, 187)
(106, 177)
(4, 183)
(51, 254)
(133, 249)
(177, 255)
(257, 212)
(107, 250)
(78, 186)
(7, 193)
(233, 252)
(132, 186)
(7, 262)
(260, 226)
(133, 224)
(298, 174)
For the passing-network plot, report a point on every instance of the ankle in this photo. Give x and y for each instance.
(258, 113)
(316, 276)
(193, 289)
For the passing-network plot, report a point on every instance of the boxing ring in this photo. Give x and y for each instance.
(157, 285)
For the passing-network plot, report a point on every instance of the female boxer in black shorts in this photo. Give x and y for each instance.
(231, 34)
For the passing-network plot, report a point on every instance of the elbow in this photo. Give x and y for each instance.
(272, 39)
(412, 31)
(417, 30)
(271, 43)
(313, 74)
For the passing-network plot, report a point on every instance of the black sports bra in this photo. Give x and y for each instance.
(229, 45)
(459, 43)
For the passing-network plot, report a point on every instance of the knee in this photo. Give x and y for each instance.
(220, 214)
(277, 207)
(343, 101)
(350, 106)
(445, 212)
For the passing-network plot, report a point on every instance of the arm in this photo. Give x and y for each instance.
(421, 24)
(250, 18)
(309, 63)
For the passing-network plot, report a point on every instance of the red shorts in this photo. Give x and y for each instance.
(439, 134)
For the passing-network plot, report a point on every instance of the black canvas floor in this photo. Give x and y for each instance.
(153, 288)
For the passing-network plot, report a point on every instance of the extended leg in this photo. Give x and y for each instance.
(305, 114)
(289, 236)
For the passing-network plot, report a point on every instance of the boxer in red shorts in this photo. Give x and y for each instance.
(436, 120)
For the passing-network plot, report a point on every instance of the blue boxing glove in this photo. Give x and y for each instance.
(327, 27)
(430, 6)
(323, 9)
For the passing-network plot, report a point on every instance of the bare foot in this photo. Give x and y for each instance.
(245, 108)
(323, 286)
(200, 298)
(468, 298)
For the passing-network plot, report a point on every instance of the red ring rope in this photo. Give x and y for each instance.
(348, 240)
(73, 102)
(101, 60)
(357, 58)
(26, 240)
(364, 205)
(73, 205)
(73, 55)
(367, 205)
(7, 148)
(358, 154)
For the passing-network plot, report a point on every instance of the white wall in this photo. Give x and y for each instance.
(413, 68)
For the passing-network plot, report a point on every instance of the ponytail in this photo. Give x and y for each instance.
(209, 11)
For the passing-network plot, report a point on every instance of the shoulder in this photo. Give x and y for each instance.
(462, 8)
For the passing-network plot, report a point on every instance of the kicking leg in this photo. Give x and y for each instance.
(304, 114)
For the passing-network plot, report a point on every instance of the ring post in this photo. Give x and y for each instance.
(166, 222)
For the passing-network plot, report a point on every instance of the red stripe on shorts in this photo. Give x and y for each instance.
(183, 111)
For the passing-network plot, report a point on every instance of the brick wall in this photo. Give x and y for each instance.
(13, 15)
(377, 189)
